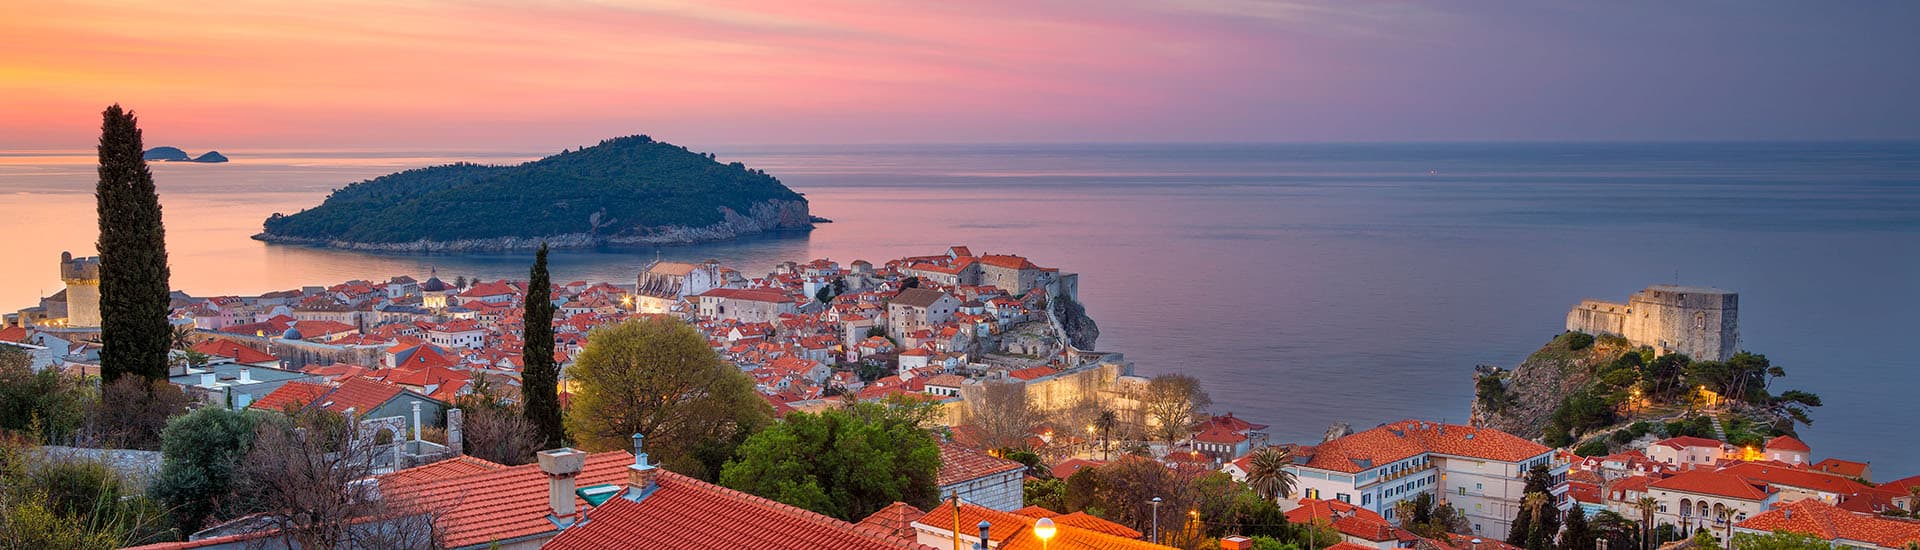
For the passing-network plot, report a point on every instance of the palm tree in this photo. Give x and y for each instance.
(1267, 472)
(1645, 504)
(1106, 421)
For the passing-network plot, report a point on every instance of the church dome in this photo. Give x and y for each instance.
(292, 334)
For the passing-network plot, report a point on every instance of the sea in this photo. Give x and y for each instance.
(1303, 284)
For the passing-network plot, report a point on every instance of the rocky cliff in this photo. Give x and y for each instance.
(1080, 329)
(1521, 401)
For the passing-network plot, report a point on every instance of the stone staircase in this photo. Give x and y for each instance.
(1719, 431)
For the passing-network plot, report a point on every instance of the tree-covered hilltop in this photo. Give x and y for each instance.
(628, 189)
(1604, 392)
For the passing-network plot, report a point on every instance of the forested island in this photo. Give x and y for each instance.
(624, 191)
(174, 154)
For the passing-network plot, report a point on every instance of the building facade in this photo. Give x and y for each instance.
(1701, 322)
(1482, 472)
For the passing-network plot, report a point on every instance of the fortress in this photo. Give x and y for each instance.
(82, 276)
(1701, 322)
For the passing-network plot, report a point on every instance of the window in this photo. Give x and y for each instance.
(1343, 497)
(1463, 490)
(1367, 499)
(1479, 487)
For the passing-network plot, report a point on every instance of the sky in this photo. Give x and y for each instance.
(534, 75)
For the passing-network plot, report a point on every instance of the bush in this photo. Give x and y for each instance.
(1593, 447)
(1577, 341)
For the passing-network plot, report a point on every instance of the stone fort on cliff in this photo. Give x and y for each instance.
(1701, 322)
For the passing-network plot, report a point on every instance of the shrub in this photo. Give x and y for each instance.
(1593, 447)
(1577, 341)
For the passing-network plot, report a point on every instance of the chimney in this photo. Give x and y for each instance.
(1236, 542)
(246, 375)
(416, 420)
(983, 536)
(640, 474)
(561, 466)
(454, 440)
(207, 379)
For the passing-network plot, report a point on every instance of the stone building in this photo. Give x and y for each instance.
(980, 479)
(747, 305)
(1701, 322)
(82, 276)
(665, 283)
(918, 308)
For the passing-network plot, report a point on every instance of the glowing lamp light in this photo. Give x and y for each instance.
(1044, 529)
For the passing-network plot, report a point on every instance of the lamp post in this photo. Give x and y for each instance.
(1044, 530)
(1156, 520)
(1089, 441)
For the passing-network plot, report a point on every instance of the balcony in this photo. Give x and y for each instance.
(1407, 472)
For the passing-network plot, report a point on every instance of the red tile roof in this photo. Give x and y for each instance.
(1791, 477)
(1348, 519)
(958, 464)
(1705, 482)
(1069, 466)
(294, 394)
(1685, 441)
(1819, 519)
(1400, 440)
(14, 334)
(1011, 531)
(1788, 443)
(681, 512)
(1842, 467)
(361, 394)
(502, 504)
(896, 518)
(459, 466)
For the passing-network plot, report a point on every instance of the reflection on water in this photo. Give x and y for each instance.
(1303, 283)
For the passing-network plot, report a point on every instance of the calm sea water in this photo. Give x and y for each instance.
(1305, 284)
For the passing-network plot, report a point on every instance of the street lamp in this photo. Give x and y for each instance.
(1156, 520)
(1044, 530)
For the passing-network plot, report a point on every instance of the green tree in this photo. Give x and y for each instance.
(1577, 535)
(1267, 472)
(1270, 543)
(200, 465)
(134, 296)
(49, 402)
(846, 463)
(657, 377)
(1522, 529)
(1779, 540)
(540, 379)
(1045, 493)
(1082, 490)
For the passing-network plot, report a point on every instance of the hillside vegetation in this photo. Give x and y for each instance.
(623, 187)
(1608, 392)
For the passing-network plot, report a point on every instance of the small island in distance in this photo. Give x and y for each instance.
(625, 191)
(174, 154)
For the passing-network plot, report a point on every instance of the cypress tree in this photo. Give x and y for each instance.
(1522, 527)
(134, 332)
(1578, 535)
(541, 377)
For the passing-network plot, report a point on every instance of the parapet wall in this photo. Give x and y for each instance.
(1701, 322)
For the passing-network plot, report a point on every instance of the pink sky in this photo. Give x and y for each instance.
(538, 75)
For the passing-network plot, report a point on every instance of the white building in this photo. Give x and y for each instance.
(1480, 471)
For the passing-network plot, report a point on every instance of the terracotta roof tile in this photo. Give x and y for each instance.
(958, 463)
(296, 394)
(1400, 440)
(1813, 517)
(681, 512)
(1705, 482)
(1788, 443)
(503, 504)
(896, 518)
